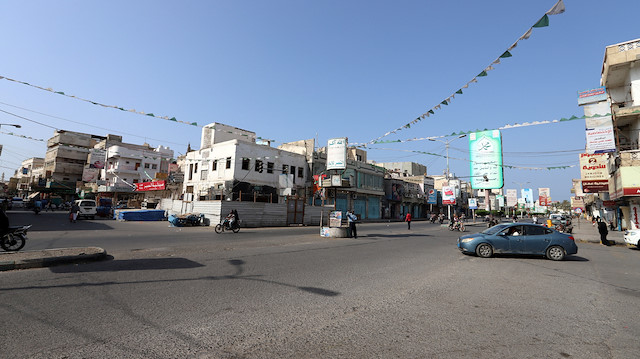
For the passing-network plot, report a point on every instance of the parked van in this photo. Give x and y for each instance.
(88, 208)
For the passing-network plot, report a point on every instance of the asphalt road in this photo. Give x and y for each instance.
(287, 293)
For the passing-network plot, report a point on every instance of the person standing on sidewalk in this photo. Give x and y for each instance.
(408, 220)
(73, 213)
(602, 228)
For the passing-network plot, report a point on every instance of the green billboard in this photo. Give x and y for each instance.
(485, 152)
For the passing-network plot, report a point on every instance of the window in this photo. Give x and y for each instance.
(137, 165)
(228, 162)
(534, 230)
(195, 167)
(269, 167)
(146, 165)
(285, 169)
(214, 166)
(154, 166)
(190, 171)
(245, 164)
(293, 172)
(204, 174)
(258, 166)
(300, 172)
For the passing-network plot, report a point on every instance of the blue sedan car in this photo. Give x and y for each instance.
(519, 238)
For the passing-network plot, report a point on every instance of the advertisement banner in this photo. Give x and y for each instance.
(473, 203)
(527, 194)
(485, 152)
(577, 202)
(544, 196)
(599, 132)
(500, 200)
(97, 158)
(448, 195)
(337, 154)
(90, 174)
(594, 166)
(512, 197)
(150, 186)
(597, 94)
(433, 197)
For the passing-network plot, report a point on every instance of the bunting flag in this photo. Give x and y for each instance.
(504, 127)
(98, 103)
(481, 163)
(558, 8)
(22, 136)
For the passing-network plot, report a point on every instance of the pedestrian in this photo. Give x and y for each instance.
(73, 213)
(602, 228)
(515, 218)
(408, 220)
(351, 218)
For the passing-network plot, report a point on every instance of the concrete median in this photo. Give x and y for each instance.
(49, 257)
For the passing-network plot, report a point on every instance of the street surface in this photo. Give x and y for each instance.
(287, 293)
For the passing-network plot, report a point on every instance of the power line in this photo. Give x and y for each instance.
(85, 124)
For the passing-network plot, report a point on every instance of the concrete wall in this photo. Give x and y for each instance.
(252, 214)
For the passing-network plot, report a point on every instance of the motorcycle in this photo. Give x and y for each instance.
(15, 239)
(441, 219)
(433, 218)
(492, 222)
(226, 225)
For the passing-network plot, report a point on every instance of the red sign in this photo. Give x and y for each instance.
(631, 191)
(609, 204)
(150, 186)
(595, 186)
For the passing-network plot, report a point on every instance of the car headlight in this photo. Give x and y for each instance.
(466, 240)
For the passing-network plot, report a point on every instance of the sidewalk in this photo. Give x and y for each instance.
(584, 231)
(49, 257)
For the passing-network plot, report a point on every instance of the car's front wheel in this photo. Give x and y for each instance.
(555, 253)
(484, 250)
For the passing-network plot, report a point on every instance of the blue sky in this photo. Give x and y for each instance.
(291, 70)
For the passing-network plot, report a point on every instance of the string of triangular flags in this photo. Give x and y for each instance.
(22, 136)
(558, 8)
(98, 103)
(505, 127)
(481, 163)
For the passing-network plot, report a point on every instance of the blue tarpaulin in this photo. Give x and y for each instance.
(141, 215)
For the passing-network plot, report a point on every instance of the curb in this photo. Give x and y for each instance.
(49, 257)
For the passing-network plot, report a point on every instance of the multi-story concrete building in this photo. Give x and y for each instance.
(65, 159)
(230, 165)
(621, 78)
(28, 175)
(123, 165)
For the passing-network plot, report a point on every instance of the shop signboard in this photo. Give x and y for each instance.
(150, 186)
(593, 95)
(485, 151)
(594, 166)
(599, 132)
(337, 154)
(635, 215)
(527, 194)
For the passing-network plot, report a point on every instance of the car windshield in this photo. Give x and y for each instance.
(495, 229)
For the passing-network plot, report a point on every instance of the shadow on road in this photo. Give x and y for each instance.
(130, 265)
(386, 235)
(162, 263)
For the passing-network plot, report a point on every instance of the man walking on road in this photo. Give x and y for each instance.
(602, 228)
(408, 220)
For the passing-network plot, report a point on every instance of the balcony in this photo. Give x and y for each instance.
(617, 62)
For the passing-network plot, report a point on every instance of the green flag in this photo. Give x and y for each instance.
(482, 74)
(544, 21)
(505, 55)
(459, 92)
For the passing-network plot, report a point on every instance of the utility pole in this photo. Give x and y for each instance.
(447, 171)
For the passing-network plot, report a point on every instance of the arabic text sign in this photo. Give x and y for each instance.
(485, 150)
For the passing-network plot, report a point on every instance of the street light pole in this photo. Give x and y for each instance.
(447, 171)
(10, 124)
